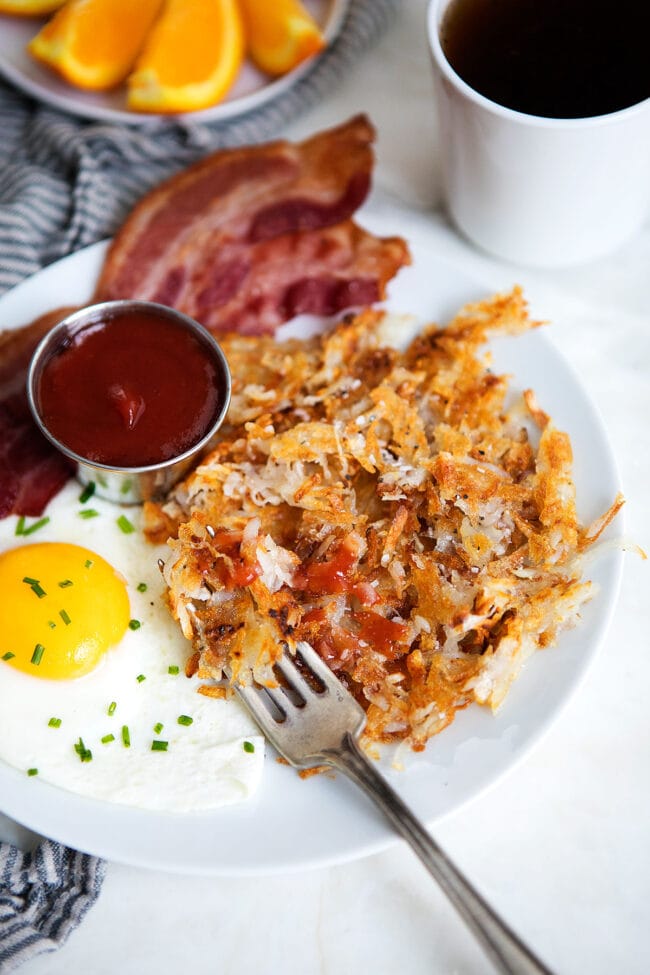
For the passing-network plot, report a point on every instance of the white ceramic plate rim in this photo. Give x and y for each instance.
(251, 90)
(294, 824)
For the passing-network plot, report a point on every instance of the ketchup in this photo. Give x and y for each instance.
(336, 575)
(134, 390)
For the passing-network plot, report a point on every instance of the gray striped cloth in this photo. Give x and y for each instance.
(43, 897)
(66, 183)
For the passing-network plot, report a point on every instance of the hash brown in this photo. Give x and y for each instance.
(389, 507)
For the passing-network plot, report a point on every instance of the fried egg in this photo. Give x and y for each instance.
(93, 693)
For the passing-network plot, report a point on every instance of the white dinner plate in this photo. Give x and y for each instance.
(251, 90)
(294, 824)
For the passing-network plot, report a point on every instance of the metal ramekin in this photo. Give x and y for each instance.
(128, 485)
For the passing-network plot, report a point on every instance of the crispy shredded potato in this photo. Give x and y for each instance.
(386, 508)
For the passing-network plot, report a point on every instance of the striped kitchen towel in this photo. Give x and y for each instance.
(43, 897)
(66, 183)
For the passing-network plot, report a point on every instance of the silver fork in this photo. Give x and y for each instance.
(311, 719)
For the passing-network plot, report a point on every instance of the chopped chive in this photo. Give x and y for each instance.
(84, 753)
(20, 525)
(126, 737)
(32, 771)
(87, 492)
(140, 678)
(64, 616)
(134, 624)
(51, 624)
(185, 719)
(159, 746)
(35, 526)
(125, 525)
(142, 587)
(8, 655)
(88, 564)
(158, 728)
(111, 707)
(105, 740)
(54, 723)
(35, 586)
(88, 513)
(249, 746)
(37, 656)
(65, 583)
(172, 669)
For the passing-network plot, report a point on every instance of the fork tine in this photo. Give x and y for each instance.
(275, 695)
(295, 679)
(317, 665)
(251, 697)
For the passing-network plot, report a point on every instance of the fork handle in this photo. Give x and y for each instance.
(508, 954)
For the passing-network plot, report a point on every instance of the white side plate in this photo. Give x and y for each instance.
(251, 90)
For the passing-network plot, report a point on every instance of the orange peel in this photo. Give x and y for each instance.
(93, 44)
(29, 8)
(280, 34)
(191, 57)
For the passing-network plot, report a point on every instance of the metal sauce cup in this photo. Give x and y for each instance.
(128, 485)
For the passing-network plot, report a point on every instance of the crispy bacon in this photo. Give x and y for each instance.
(31, 470)
(254, 288)
(249, 237)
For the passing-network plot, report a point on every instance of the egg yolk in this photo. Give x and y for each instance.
(61, 608)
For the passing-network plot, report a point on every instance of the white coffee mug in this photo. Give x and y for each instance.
(538, 191)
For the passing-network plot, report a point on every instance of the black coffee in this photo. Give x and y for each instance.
(555, 58)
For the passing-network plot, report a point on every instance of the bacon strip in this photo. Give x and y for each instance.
(31, 470)
(249, 237)
(304, 272)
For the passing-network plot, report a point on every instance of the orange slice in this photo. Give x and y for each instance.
(280, 33)
(191, 57)
(29, 8)
(94, 43)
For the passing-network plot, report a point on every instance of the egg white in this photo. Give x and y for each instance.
(206, 764)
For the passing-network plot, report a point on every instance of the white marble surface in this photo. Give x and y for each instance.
(561, 845)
